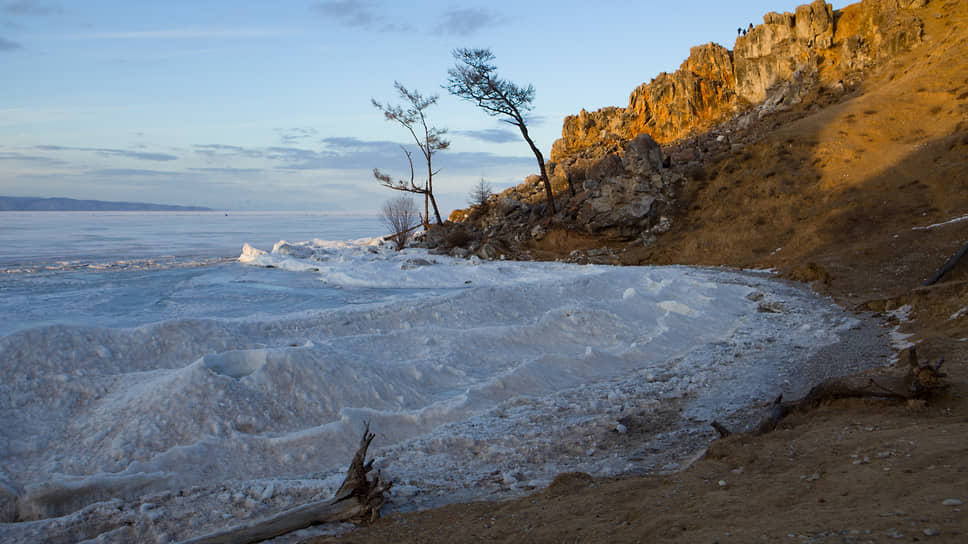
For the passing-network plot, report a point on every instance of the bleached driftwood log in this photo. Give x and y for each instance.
(921, 382)
(358, 501)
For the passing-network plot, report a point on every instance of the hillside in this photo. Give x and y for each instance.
(835, 176)
(852, 177)
(21, 204)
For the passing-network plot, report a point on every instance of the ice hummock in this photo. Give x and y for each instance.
(499, 377)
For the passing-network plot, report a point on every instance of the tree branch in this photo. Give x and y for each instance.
(358, 501)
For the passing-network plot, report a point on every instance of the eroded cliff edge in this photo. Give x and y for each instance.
(817, 125)
(813, 47)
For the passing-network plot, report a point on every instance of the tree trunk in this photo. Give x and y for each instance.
(433, 202)
(541, 167)
(921, 382)
(948, 265)
(430, 192)
(427, 210)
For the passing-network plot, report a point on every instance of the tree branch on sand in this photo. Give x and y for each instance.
(920, 383)
(358, 501)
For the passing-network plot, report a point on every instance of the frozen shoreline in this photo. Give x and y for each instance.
(521, 371)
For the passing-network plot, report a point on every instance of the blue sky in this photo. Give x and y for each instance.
(254, 105)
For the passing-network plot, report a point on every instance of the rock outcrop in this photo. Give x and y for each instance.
(814, 46)
(620, 173)
(621, 194)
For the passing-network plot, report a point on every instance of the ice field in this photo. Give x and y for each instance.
(198, 396)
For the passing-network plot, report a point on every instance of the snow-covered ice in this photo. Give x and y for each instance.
(480, 380)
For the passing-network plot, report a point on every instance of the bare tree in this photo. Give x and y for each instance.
(474, 78)
(401, 216)
(428, 138)
(480, 193)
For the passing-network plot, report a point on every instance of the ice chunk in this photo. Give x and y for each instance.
(236, 364)
(250, 254)
(676, 307)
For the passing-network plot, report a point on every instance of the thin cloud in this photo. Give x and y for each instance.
(9, 45)
(187, 34)
(138, 155)
(344, 144)
(296, 135)
(467, 21)
(220, 150)
(357, 14)
(339, 154)
(470, 160)
(349, 12)
(294, 158)
(129, 173)
(492, 135)
(28, 7)
(345, 153)
(352, 153)
(37, 159)
(230, 171)
(536, 120)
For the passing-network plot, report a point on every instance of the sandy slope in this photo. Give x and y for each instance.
(850, 188)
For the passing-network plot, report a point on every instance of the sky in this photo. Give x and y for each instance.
(254, 105)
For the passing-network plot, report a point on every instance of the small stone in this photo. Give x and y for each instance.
(621, 429)
(931, 532)
(952, 502)
(722, 483)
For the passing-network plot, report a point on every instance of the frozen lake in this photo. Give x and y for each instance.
(123, 269)
(99, 239)
(166, 401)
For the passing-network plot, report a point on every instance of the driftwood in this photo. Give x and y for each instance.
(358, 501)
(948, 265)
(411, 229)
(921, 382)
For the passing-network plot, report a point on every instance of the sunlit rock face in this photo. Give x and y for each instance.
(784, 44)
(667, 108)
(807, 48)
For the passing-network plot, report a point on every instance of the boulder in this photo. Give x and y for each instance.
(643, 156)
(609, 167)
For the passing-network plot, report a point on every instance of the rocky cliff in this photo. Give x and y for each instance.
(790, 53)
(741, 153)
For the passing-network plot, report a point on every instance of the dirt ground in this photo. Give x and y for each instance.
(843, 196)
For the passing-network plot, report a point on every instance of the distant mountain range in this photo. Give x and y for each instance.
(16, 203)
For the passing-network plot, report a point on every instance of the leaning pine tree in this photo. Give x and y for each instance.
(474, 78)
